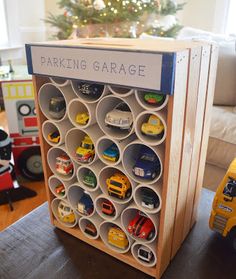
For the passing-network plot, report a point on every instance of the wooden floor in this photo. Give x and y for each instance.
(23, 207)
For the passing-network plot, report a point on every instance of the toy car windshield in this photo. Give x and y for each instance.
(122, 107)
(115, 183)
(55, 134)
(86, 146)
(230, 188)
(147, 157)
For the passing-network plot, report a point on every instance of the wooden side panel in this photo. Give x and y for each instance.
(175, 123)
(201, 100)
(44, 146)
(187, 144)
(206, 127)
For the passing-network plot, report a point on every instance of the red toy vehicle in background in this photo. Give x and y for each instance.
(141, 226)
(108, 208)
(64, 165)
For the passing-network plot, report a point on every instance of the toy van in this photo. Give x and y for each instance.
(65, 213)
(118, 185)
(145, 254)
(64, 165)
(223, 214)
(117, 238)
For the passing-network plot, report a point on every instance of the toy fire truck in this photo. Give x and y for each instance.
(20, 110)
(64, 165)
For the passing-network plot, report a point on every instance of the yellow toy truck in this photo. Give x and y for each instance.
(85, 152)
(118, 185)
(117, 238)
(223, 214)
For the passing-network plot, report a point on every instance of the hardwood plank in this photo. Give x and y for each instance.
(206, 128)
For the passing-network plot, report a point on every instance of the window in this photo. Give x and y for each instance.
(3, 25)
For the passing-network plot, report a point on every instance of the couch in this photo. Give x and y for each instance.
(222, 140)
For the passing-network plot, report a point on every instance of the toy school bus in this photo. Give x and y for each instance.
(223, 214)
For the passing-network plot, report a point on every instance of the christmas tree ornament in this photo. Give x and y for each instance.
(99, 5)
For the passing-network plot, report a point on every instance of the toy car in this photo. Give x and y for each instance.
(108, 208)
(223, 214)
(90, 179)
(64, 165)
(111, 153)
(141, 226)
(145, 254)
(117, 238)
(60, 190)
(54, 137)
(120, 117)
(149, 198)
(147, 165)
(152, 98)
(85, 152)
(65, 213)
(154, 127)
(82, 118)
(118, 185)
(92, 90)
(57, 107)
(85, 205)
(90, 229)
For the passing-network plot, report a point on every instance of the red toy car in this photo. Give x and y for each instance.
(141, 226)
(64, 165)
(108, 208)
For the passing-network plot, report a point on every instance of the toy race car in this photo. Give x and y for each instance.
(86, 151)
(57, 107)
(141, 226)
(60, 190)
(118, 185)
(149, 198)
(54, 137)
(108, 208)
(92, 90)
(145, 254)
(117, 238)
(90, 179)
(85, 205)
(82, 118)
(120, 117)
(64, 165)
(154, 127)
(90, 229)
(111, 153)
(65, 213)
(154, 99)
(147, 165)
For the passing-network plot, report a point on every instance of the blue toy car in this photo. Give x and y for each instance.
(147, 165)
(111, 153)
(85, 205)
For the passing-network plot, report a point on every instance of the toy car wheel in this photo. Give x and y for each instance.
(154, 175)
(151, 235)
(30, 164)
(128, 193)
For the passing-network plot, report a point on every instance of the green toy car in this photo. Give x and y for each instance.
(154, 98)
(90, 179)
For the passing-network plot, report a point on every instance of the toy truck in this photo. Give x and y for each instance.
(117, 238)
(223, 214)
(85, 152)
(64, 165)
(118, 185)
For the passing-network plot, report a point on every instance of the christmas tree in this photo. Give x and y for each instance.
(123, 16)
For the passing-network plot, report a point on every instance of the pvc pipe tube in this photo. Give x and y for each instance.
(140, 99)
(151, 247)
(54, 207)
(77, 107)
(130, 213)
(105, 142)
(118, 208)
(61, 82)
(85, 224)
(121, 91)
(84, 171)
(50, 90)
(85, 97)
(139, 198)
(104, 230)
(75, 193)
(54, 182)
(142, 118)
(53, 154)
(106, 173)
(74, 138)
(132, 153)
(50, 127)
(107, 105)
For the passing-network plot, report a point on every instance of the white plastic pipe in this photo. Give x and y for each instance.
(61, 82)
(95, 220)
(121, 91)
(147, 247)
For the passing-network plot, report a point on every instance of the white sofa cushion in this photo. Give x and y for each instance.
(222, 142)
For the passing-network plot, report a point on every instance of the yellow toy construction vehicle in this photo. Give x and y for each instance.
(118, 185)
(85, 152)
(223, 214)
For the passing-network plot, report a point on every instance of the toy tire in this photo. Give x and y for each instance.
(151, 235)
(30, 164)
(154, 175)
(128, 194)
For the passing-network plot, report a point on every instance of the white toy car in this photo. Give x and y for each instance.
(145, 254)
(120, 117)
